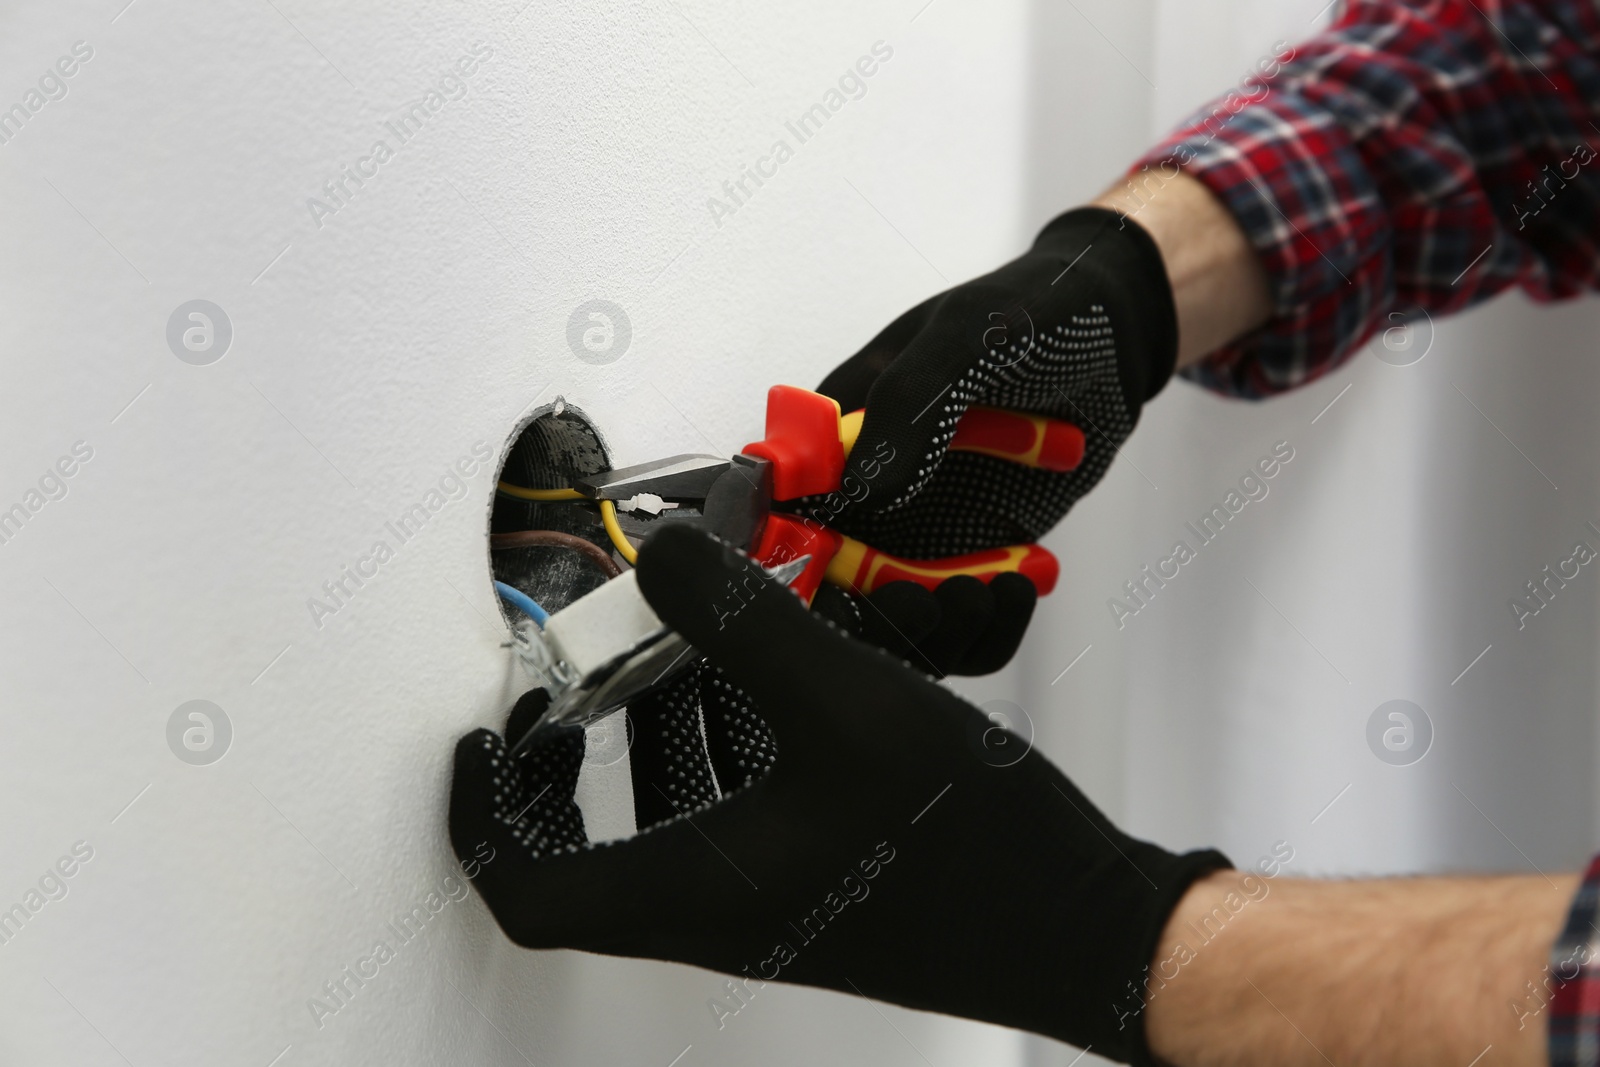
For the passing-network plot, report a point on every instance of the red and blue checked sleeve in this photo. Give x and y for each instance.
(1572, 985)
(1417, 157)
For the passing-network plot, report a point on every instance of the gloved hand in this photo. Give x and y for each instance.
(697, 738)
(900, 846)
(963, 627)
(1081, 328)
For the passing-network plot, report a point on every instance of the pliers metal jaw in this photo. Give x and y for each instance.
(727, 498)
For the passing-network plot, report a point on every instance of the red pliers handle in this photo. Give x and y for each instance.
(807, 442)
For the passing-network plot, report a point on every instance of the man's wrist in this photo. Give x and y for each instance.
(1219, 288)
(1289, 972)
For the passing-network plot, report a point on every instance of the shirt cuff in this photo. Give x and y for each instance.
(1290, 174)
(1572, 985)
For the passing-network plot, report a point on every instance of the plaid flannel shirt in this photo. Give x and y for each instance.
(1571, 988)
(1418, 157)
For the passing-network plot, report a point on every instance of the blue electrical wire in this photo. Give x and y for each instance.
(523, 603)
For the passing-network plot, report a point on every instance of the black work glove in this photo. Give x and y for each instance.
(1081, 328)
(870, 858)
(963, 627)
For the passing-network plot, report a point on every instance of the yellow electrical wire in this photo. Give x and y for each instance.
(608, 514)
(522, 493)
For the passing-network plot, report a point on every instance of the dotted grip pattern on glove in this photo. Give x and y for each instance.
(691, 742)
(1082, 328)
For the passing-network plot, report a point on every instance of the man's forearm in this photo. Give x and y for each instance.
(1414, 972)
(1218, 283)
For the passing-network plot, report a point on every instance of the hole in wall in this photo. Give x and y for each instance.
(551, 450)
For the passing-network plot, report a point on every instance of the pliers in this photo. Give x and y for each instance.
(608, 647)
(803, 455)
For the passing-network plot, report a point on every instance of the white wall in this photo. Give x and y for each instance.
(426, 314)
(430, 313)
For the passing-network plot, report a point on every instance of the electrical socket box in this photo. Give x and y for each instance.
(552, 450)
